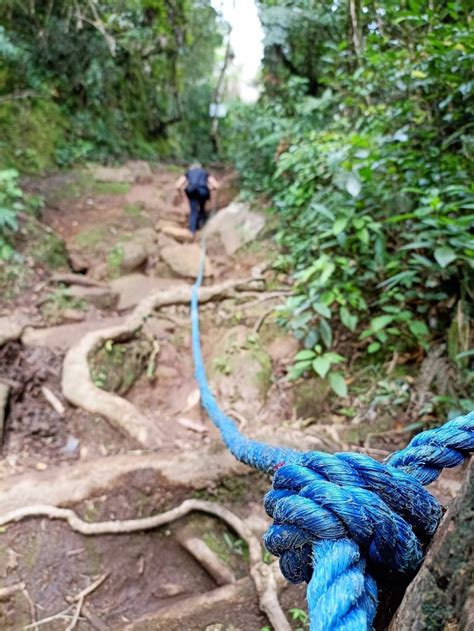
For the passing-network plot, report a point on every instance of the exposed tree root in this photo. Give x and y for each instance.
(80, 390)
(263, 575)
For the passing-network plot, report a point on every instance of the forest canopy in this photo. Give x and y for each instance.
(104, 79)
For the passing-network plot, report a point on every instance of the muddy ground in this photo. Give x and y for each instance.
(58, 454)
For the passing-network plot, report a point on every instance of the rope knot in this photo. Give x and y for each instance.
(384, 510)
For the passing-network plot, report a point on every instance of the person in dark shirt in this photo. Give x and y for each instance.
(197, 184)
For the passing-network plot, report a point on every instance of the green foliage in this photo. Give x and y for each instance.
(116, 78)
(11, 202)
(367, 160)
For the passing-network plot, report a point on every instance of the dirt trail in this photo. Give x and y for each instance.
(131, 240)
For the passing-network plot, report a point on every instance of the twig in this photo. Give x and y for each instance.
(80, 598)
(53, 400)
(60, 614)
(264, 576)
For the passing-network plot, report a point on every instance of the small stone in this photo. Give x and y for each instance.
(171, 589)
(73, 315)
(71, 446)
(134, 255)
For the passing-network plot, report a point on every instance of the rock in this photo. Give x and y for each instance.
(132, 288)
(148, 238)
(73, 315)
(235, 226)
(182, 235)
(133, 256)
(140, 170)
(171, 589)
(101, 297)
(62, 337)
(283, 349)
(184, 260)
(240, 371)
(78, 262)
(11, 327)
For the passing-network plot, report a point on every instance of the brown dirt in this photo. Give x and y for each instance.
(151, 571)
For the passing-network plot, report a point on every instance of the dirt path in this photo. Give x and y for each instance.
(127, 240)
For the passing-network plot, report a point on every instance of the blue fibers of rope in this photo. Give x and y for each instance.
(334, 514)
(435, 449)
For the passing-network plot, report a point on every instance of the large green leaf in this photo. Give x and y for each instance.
(444, 256)
(337, 383)
(321, 366)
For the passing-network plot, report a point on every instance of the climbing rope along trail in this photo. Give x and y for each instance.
(341, 520)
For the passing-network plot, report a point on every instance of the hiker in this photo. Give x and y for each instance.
(197, 184)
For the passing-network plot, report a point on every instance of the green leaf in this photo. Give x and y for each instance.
(305, 355)
(444, 256)
(326, 333)
(353, 185)
(363, 235)
(334, 358)
(322, 309)
(374, 347)
(321, 366)
(418, 329)
(339, 225)
(299, 369)
(337, 383)
(380, 322)
(347, 319)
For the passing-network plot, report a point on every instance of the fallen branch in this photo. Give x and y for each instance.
(263, 575)
(80, 598)
(77, 384)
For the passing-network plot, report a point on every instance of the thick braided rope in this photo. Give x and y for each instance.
(334, 515)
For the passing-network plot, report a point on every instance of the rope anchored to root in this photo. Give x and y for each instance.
(343, 520)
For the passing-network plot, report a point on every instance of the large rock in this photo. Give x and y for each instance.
(62, 337)
(182, 235)
(133, 256)
(101, 297)
(240, 371)
(133, 171)
(235, 226)
(185, 260)
(132, 288)
(11, 327)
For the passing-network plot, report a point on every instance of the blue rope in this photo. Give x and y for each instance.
(341, 518)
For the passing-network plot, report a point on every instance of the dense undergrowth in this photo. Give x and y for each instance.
(363, 142)
(105, 80)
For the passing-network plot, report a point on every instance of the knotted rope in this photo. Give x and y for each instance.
(341, 518)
